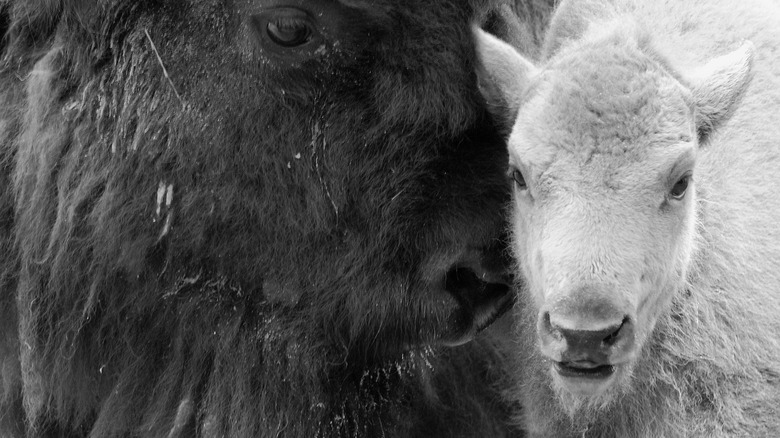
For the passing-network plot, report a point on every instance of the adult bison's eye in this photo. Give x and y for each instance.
(680, 187)
(289, 31)
(519, 180)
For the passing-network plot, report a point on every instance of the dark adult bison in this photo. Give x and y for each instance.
(249, 218)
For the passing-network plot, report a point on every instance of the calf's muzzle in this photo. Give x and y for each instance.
(586, 331)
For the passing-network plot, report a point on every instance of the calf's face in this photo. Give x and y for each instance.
(602, 156)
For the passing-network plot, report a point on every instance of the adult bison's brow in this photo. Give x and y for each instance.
(370, 7)
(357, 3)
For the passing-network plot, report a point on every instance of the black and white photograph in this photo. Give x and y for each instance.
(389, 218)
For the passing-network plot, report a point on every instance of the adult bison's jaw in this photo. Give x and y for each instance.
(482, 292)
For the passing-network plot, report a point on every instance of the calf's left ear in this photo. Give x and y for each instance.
(502, 75)
(718, 88)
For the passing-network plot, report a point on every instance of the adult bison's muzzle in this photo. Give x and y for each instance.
(474, 291)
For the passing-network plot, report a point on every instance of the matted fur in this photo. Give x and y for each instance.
(195, 240)
(711, 365)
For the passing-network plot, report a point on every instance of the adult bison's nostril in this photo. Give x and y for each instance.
(483, 294)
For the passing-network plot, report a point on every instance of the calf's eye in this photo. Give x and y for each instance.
(519, 180)
(679, 188)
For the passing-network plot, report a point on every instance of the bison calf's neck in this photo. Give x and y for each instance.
(645, 165)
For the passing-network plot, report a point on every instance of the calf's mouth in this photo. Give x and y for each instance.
(584, 370)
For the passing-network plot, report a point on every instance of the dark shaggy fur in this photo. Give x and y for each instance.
(199, 239)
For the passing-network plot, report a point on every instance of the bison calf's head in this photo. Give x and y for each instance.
(603, 158)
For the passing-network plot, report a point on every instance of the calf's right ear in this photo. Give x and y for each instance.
(502, 75)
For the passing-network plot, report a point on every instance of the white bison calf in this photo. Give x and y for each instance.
(645, 154)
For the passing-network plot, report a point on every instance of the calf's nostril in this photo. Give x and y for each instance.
(564, 339)
(612, 338)
(591, 339)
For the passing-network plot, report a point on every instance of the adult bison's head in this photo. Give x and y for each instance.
(323, 169)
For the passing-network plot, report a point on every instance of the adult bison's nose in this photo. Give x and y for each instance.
(582, 332)
(480, 285)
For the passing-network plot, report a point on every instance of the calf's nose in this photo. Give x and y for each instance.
(597, 338)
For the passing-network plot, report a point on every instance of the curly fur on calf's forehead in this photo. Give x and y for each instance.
(614, 96)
